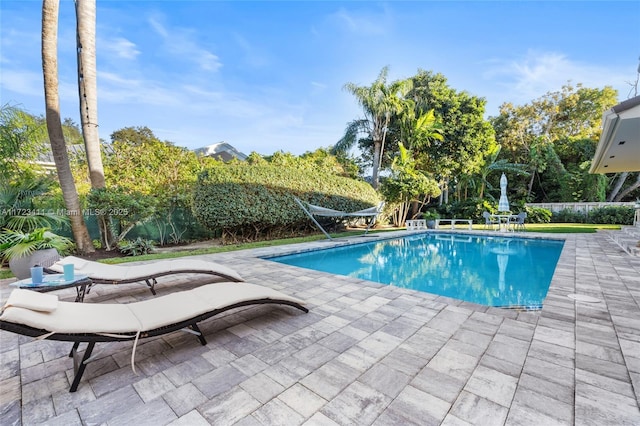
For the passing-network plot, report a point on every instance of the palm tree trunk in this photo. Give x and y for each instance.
(530, 187)
(377, 154)
(54, 125)
(88, 88)
(88, 94)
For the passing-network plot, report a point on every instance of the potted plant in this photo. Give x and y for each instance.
(430, 216)
(26, 249)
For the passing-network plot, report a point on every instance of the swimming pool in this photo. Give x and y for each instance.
(489, 270)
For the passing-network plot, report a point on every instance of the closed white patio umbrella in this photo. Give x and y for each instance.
(503, 203)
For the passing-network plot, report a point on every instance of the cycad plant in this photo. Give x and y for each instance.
(17, 209)
(16, 244)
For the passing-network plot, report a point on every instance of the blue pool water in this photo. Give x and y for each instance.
(492, 271)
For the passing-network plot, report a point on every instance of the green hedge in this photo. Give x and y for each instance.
(256, 201)
(612, 215)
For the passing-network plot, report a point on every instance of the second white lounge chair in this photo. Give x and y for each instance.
(102, 273)
(42, 316)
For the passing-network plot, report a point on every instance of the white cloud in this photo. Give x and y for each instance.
(373, 24)
(22, 82)
(121, 47)
(115, 89)
(537, 73)
(180, 42)
(253, 56)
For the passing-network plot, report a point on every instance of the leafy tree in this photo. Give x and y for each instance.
(492, 164)
(406, 184)
(576, 155)
(72, 133)
(23, 139)
(466, 136)
(125, 209)
(529, 132)
(142, 166)
(418, 133)
(340, 164)
(380, 102)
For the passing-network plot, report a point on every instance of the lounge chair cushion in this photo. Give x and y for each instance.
(32, 300)
(70, 317)
(116, 273)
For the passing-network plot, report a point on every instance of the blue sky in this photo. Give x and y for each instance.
(268, 76)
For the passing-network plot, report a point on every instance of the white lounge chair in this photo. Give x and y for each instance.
(313, 210)
(102, 273)
(42, 316)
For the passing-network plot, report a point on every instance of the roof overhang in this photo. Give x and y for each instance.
(619, 147)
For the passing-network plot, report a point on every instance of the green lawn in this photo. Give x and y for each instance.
(555, 228)
(567, 228)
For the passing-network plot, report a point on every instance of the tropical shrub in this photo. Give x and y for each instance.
(253, 201)
(15, 244)
(537, 214)
(613, 215)
(406, 185)
(471, 208)
(568, 216)
(617, 215)
(137, 247)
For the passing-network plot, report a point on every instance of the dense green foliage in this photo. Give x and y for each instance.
(148, 182)
(407, 185)
(556, 136)
(252, 201)
(136, 247)
(615, 215)
(15, 244)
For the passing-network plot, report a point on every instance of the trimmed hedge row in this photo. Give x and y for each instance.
(254, 201)
(612, 215)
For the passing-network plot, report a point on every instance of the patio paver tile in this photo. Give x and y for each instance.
(478, 411)
(262, 387)
(192, 418)
(330, 379)
(385, 379)
(184, 399)
(544, 404)
(301, 399)
(229, 407)
(219, 380)
(436, 383)
(153, 387)
(414, 406)
(492, 385)
(357, 404)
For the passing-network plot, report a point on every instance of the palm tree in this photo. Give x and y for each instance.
(419, 133)
(493, 164)
(88, 93)
(88, 88)
(54, 125)
(380, 102)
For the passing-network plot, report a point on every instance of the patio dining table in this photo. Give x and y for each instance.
(503, 220)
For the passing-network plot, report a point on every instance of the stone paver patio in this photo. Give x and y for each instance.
(365, 354)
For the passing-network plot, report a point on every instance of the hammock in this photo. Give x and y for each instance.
(313, 210)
